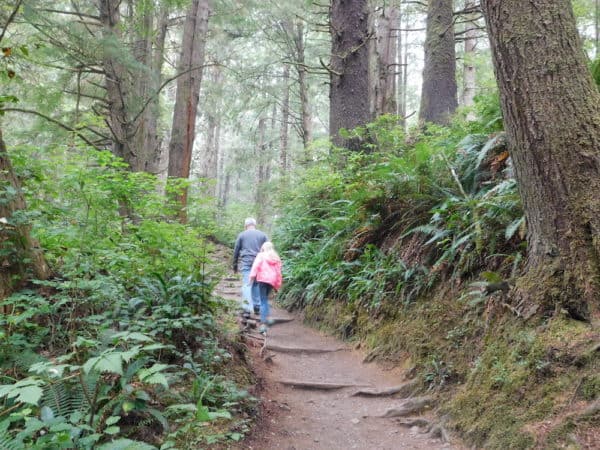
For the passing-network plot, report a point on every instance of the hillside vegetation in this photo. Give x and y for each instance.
(412, 248)
(125, 346)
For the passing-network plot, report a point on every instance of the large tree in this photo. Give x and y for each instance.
(190, 68)
(439, 91)
(132, 81)
(386, 33)
(551, 111)
(349, 68)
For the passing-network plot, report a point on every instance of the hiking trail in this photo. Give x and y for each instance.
(316, 393)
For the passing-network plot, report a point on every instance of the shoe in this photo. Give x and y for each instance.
(257, 310)
(246, 315)
(262, 329)
(270, 322)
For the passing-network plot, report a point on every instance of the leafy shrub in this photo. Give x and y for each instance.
(346, 231)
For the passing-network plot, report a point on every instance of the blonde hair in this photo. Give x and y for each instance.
(269, 249)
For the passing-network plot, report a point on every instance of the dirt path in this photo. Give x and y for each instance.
(306, 386)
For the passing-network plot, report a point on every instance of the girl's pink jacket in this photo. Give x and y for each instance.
(267, 270)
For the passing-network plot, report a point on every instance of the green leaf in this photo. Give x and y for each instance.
(513, 227)
(27, 391)
(128, 406)
(202, 412)
(221, 414)
(132, 336)
(236, 436)
(46, 414)
(126, 444)
(112, 420)
(152, 375)
(112, 430)
(491, 277)
(106, 362)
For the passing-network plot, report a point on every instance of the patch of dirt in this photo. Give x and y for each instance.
(316, 416)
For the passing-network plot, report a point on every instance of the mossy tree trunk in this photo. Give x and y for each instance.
(349, 102)
(439, 90)
(21, 257)
(551, 111)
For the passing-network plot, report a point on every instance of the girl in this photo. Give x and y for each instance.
(266, 272)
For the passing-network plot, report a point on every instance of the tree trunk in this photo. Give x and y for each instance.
(116, 82)
(190, 65)
(403, 104)
(132, 88)
(306, 117)
(596, 28)
(22, 257)
(551, 109)
(387, 51)
(438, 95)
(469, 74)
(349, 70)
(261, 173)
(285, 117)
(210, 154)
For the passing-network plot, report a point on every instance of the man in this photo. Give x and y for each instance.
(247, 246)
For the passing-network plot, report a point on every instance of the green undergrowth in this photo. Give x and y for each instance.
(125, 345)
(411, 249)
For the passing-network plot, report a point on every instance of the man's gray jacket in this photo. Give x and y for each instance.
(247, 246)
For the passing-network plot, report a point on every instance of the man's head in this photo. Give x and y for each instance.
(250, 222)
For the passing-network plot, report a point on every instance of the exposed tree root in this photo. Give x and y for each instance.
(410, 406)
(417, 422)
(283, 349)
(277, 320)
(316, 385)
(404, 390)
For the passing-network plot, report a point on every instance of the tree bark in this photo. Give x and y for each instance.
(403, 103)
(22, 257)
(209, 157)
(132, 89)
(349, 70)
(439, 91)
(261, 171)
(285, 117)
(116, 82)
(551, 109)
(469, 72)
(190, 65)
(597, 28)
(306, 117)
(387, 52)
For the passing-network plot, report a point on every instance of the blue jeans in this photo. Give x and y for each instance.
(250, 294)
(264, 290)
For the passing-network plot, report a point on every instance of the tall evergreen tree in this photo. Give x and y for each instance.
(349, 101)
(191, 62)
(439, 91)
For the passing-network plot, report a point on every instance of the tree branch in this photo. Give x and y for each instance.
(54, 121)
(71, 13)
(10, 18)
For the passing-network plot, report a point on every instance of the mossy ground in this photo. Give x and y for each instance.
(503, 382)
